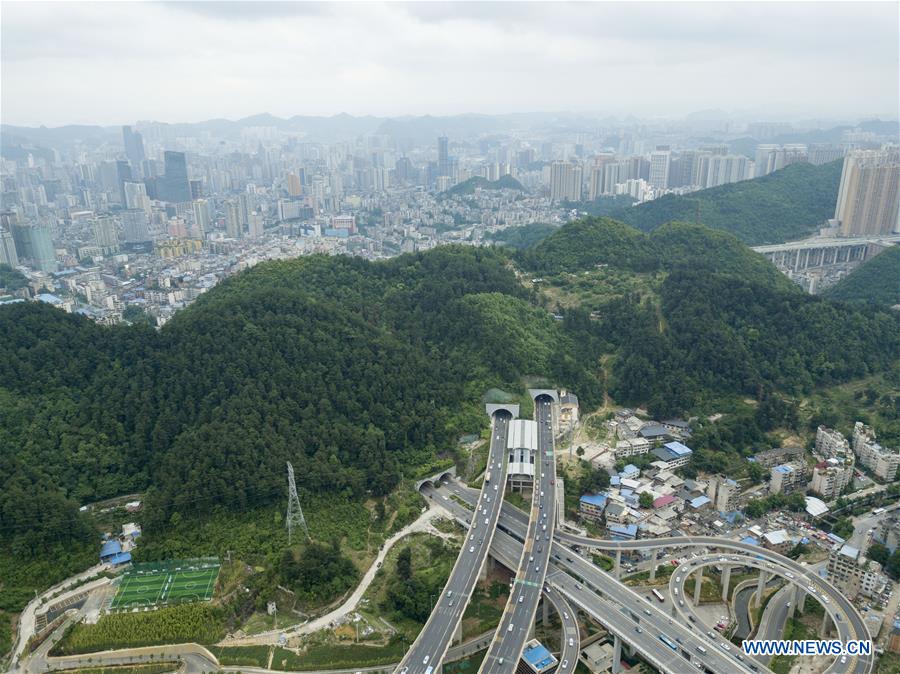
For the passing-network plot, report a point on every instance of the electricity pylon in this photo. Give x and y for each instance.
(294, 511)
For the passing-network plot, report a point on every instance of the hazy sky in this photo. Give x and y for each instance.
(114, 63)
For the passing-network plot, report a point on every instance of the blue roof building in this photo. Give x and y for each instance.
(120, 558)
(537, 657)
(700, 502)
(750, 540)
(110, 549)
(630, 472)
(591, 507)
(623, 532)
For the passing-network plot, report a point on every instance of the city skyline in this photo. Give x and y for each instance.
(644, 59)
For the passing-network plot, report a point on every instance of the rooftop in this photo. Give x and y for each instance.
(594, 499)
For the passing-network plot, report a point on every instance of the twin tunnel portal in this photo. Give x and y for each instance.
(549, 566)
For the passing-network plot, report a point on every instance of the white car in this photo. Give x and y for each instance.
(472, 548)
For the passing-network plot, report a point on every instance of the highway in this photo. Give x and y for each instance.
(780, 564)
(571, 637)
(613, 604)
(518, 616)
(774, 617)
(804, 577)
(429, 648)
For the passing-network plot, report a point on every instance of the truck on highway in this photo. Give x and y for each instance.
(487, 477)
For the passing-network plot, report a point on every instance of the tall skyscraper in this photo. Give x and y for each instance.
(201, 216)
(8, 253)
(35, 243)
(443, 156)
(176, 188)
(869, 196)
(565, 181)
(234, 222)
(136, 196)
(134, 146)
(724, 169)
(660, 161)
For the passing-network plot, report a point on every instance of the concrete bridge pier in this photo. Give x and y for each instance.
(618, 568)
(799, 599)
(726, 581)
(458, 634)
(545, 611)
(617, 655)
(698, 586)
(653, 559)
(826, 625)
(760, 588)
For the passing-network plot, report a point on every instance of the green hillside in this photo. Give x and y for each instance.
(522, 236)
(358, 373)
(583, 245)
(364, 374)
(782, 206)
(469, 186)
(876, 281)
(587, 243)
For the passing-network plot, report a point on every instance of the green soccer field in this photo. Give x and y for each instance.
(172, 583)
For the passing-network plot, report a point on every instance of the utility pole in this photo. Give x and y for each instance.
(294, 511)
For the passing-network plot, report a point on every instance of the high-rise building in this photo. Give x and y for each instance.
(294, 187)
(565, 181)
(869, 196)
(106, 234)
(443, 166)
(726, 169)
(831, 443)
(135, 225)
(831, 476)
(255, 225)
(196, 189)
(880, 460)
(8, 253)
(134, 146)
(724, 493)
(35, 243)
(201, 217)
(234, 222)
(660, 161)
(771, 157)
(136, 196)
(175, 186)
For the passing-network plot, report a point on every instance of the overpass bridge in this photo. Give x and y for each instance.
(820, 252)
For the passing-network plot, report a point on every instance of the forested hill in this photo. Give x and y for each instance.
(876, 281)
(785, 205)
(718, 319)
(477, 182)
(357, 372)
(582, 245)
(361, 373)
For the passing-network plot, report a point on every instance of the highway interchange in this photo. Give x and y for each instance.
(672, 643)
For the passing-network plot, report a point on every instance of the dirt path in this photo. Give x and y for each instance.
(422, 524)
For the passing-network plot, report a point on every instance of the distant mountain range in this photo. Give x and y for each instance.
(414, 130)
